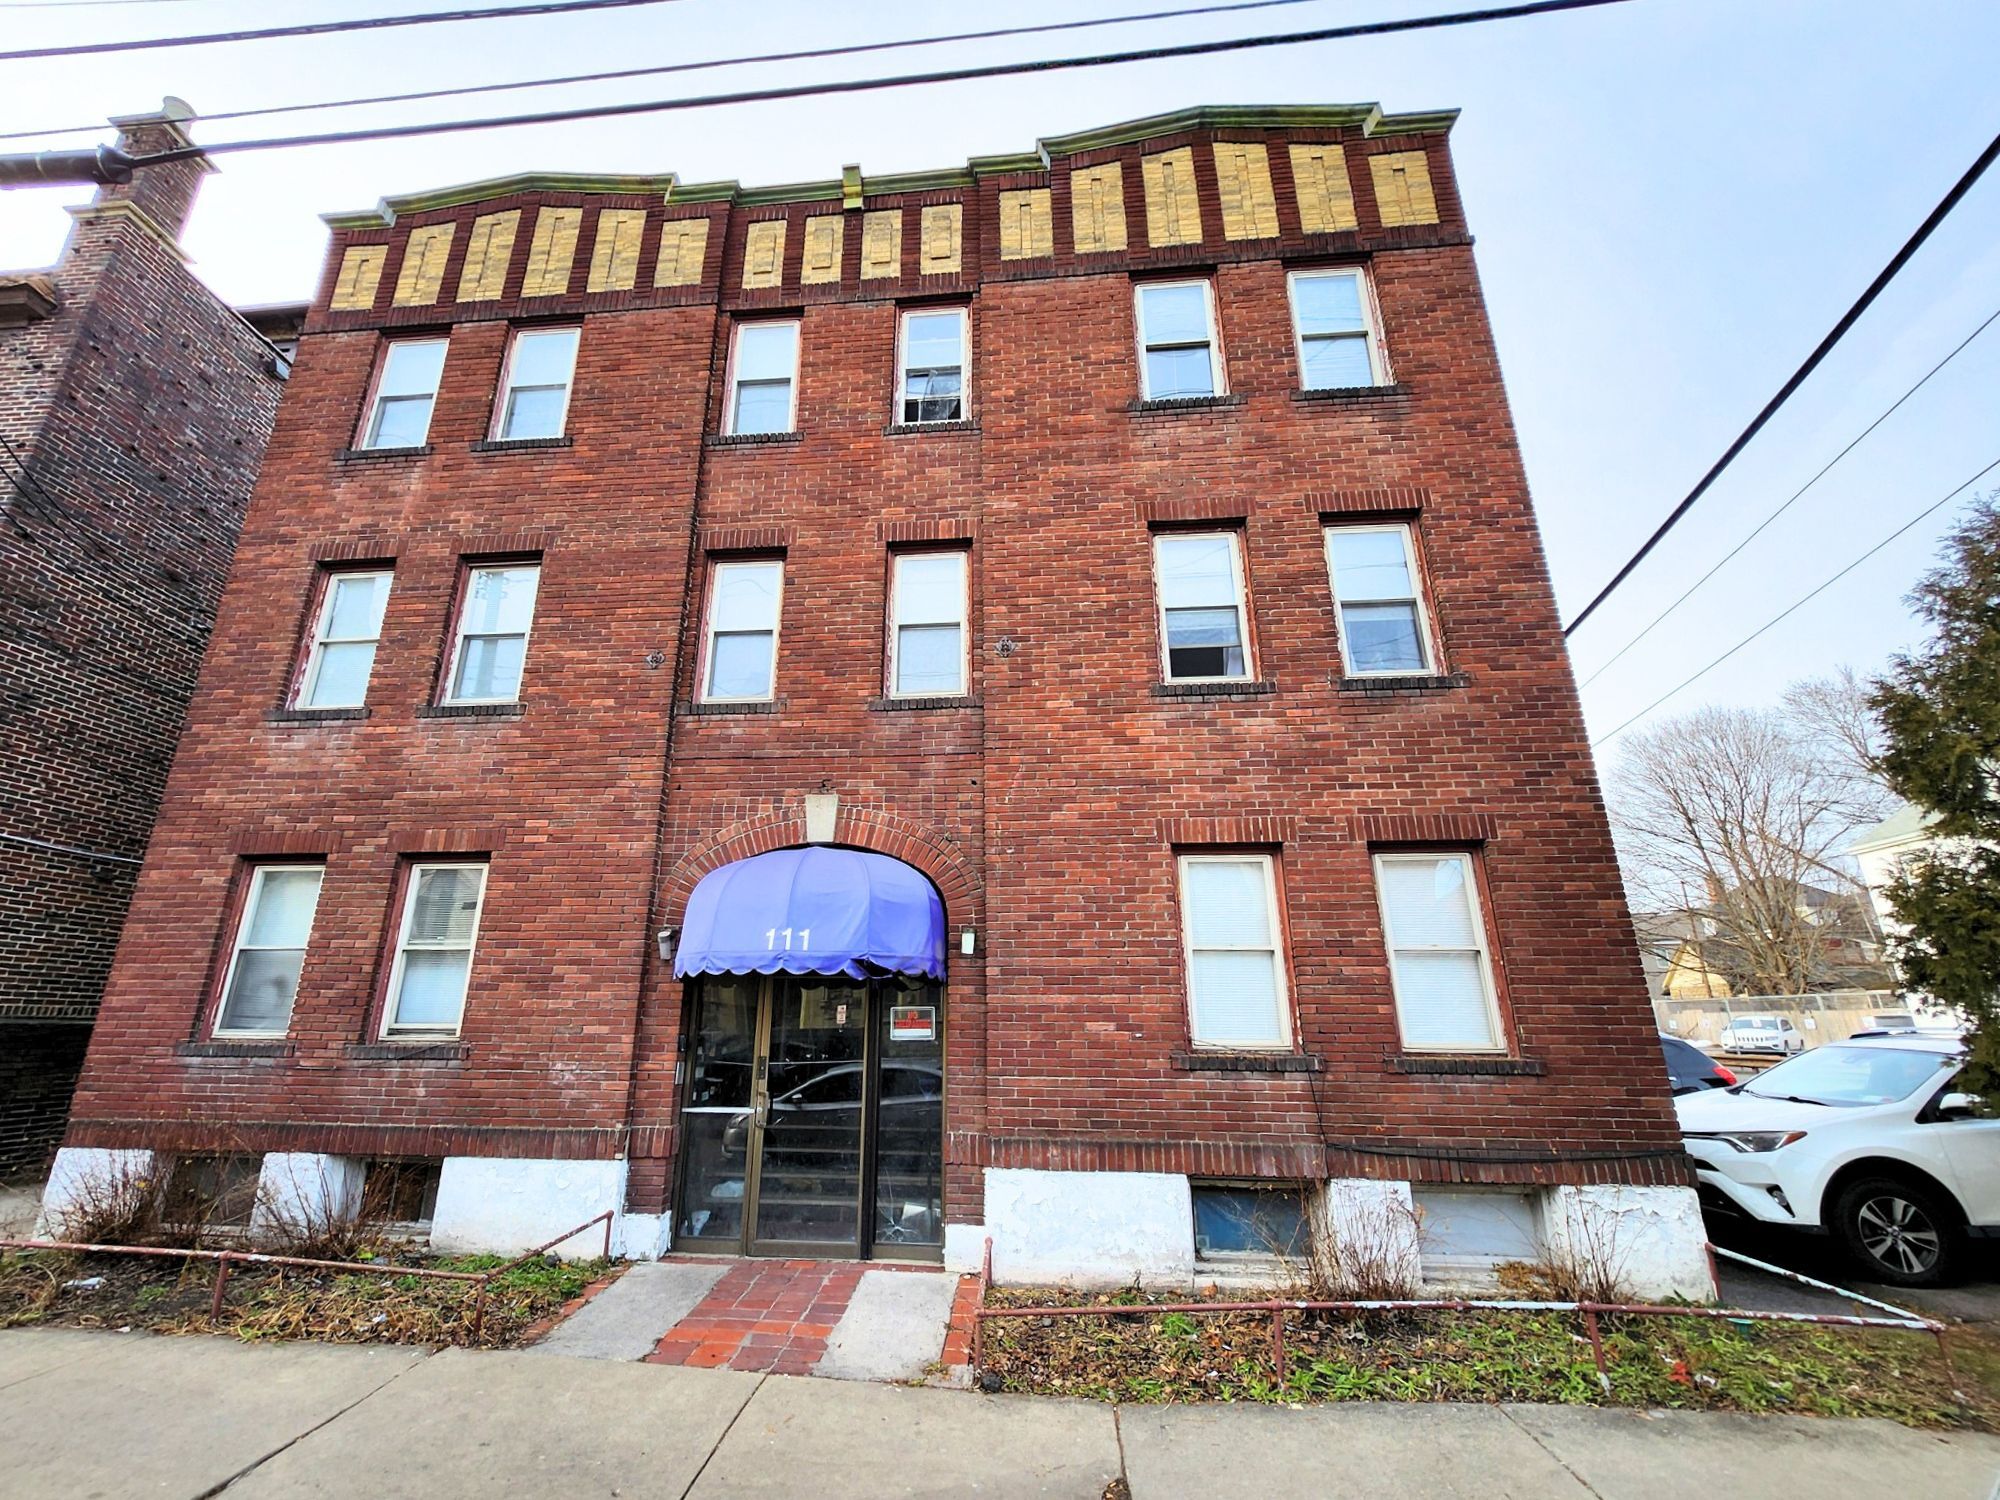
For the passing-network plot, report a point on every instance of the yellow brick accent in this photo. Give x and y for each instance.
(764, 253)
(417, 283)
(1027, 224)
(1326, 198)
(939, 233)
(1403, 188)
(823, 242)
(551, 252)
(614, 256)
(1173, 207)
(1097, 208)
(1243, 179)
(488, 249)
(360, 274)
(882, 244)
(683, 245)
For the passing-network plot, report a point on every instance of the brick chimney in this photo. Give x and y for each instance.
(163, 194)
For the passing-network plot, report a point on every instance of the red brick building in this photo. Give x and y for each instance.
(134, 408)
(1127, 537)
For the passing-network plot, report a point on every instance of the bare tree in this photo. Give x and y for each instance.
(1833, 714)
(1745, 811)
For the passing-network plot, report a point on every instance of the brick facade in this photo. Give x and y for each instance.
(1047, 804)
(134, 408)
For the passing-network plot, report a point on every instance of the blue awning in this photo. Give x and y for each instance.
(813, 911)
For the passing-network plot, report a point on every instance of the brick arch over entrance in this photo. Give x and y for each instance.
(858, 827)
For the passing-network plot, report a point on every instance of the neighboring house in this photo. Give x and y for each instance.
(134, 408)
(1015, 701)
(1880, 851)
(1671, 953)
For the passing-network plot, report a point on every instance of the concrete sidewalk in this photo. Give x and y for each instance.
(109, 1415)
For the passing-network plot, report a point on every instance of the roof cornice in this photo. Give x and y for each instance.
(1368, 118)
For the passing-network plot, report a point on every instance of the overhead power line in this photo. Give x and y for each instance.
(1798, 604)
(1825, 468)
(321, 28)
(809, 53)
(905, 80)
(1839, 331)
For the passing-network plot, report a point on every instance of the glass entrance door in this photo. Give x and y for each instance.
(813, 1121)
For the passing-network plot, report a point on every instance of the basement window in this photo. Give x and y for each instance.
(1469, 1231)
(1238, 1221)
(405, 391)
(401, 1191)
(211, 1192)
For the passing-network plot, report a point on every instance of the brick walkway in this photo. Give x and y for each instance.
(772, 1315)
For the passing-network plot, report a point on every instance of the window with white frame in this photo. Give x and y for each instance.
(534, 395)
(1236, 968)
(262, 980)
(1333, 320)
(1200, 577)
(405, 391)
(434, 948)
(345, 633)
(491, 644)
(1177, 344)
(933, 366)
(743, 608)
(1438, 959)
(1384, 628)
(763, 378)
(927, 634)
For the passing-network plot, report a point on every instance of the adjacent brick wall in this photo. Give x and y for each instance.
(134, 420)
(38, 1068)
(1046, 806)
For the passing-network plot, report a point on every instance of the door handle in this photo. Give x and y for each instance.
(761, 1111)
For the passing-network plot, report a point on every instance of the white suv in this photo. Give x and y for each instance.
(1762, 1034)
(1861, 1138)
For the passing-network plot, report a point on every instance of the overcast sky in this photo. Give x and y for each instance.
(1673, 200)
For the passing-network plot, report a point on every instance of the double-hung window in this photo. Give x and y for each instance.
(534, 394)
(1438, 959)
(763, 378)
(434, 948)
(345, 634)
(1332, 316)
(1379, 593)
(491, 643)
(1177, 343)
(1235, 962)
(743, 606)
(262, 980)
(1200, 575)
(933, 366)
(927, 634)
(405, 391)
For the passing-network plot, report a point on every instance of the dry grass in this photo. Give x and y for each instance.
(268, 1302)
(1692, 1363)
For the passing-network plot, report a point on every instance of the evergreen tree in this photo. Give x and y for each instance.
(1940, 715)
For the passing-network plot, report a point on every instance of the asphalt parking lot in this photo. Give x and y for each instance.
(1976, 1299)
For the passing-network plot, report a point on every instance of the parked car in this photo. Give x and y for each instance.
(1892, 1020)
(1866, 1140)
(1690, 1069)
(1762, 1034)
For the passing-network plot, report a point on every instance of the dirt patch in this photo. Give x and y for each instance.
(1690, 1363)
(171, 1295)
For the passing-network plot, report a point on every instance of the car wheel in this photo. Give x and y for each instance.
(1898, 1232)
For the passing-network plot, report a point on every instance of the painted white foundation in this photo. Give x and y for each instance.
(300, 1192)
(1088, 1229)
(82, 1174)
(1652, 1236)
(964, 1248)
(644, 1236)
(1379, 1221)
(506, 1205)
